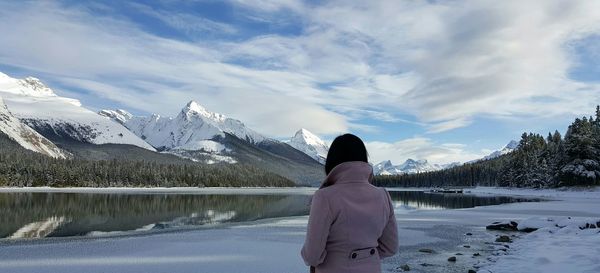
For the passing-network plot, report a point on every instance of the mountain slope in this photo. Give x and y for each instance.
(310, 144)
(25, 136)
(121, 165)
(409, 166)
(59, 118)
(275, 157)
(511, 146)
(189, 130)
(208, 137)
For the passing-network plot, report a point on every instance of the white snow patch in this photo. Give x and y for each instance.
(192, 129)
(25, 136)
(34, 103)
(310, 144)
(208, 146)
(39, 229)
(560, 245)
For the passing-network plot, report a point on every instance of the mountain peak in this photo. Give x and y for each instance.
(412, 161)
(513, 144)
(29, 86)
(385, 164)
(194, 107)
(37, 85)
(409, 166)
(303, 131)
(310, 144)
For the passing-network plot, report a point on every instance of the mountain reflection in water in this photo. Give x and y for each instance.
(35, 215)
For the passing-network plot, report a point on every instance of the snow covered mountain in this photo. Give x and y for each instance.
(409, 166)
(193, 129)
(418, 166)
(310, 144)
(59, 118)
(208, 137)
(25, 136)
(511, 146)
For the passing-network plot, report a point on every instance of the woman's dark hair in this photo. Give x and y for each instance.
(344, 148)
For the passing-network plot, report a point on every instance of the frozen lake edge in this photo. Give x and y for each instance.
(233, 248)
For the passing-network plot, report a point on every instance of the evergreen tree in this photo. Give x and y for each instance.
(582, 151)
(537, 162)
(20, 167)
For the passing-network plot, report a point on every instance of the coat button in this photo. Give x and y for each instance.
(354, 255)
(372, 251)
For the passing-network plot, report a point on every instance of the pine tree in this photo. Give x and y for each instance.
(582, 154)
(537, 162)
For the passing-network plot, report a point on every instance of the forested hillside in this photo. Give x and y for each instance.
(538, 162)
(21, 167)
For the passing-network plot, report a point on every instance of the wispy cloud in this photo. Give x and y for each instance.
(193, 26)
(442, 63)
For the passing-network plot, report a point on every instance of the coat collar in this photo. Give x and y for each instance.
(352, 171)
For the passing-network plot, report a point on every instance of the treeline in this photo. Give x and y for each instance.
(20, 167)
(537, 162)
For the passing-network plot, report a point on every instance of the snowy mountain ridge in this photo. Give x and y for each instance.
(417, 166)
(194, 128)
(25, 136)
(60, 118)
(29, 86)
(310, 144)
(204, 136)
(408, 167)
(511, 146)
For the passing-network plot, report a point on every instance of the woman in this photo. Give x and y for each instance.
(351, 226)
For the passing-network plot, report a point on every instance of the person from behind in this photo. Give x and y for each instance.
(352, 225)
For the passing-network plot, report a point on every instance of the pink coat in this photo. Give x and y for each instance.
(351, 226)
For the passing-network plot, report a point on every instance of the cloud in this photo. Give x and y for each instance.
(113, 59)
(420, 148)
(448, 125)
(193, 26)
(444, 63)
(470, 59)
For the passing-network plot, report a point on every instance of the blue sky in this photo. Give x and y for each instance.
(439, 80)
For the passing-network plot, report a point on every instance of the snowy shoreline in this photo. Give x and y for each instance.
(590, 192)
(561, 242)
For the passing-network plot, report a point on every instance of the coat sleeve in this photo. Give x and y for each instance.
(320, 220)
(388, 241)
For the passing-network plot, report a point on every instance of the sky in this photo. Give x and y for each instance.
(444, 81)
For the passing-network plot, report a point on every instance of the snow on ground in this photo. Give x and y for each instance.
(563, 241)
(560, 245)
(273, 245)
(562, 193)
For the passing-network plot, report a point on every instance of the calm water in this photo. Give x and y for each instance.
(36, 215)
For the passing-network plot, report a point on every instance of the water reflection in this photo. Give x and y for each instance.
(35, 215)
(80, 214)
(427, 201)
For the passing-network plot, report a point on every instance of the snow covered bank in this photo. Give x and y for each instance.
(559, 245)
(560, 193)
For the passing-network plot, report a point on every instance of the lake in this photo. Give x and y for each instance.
(63, 214)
